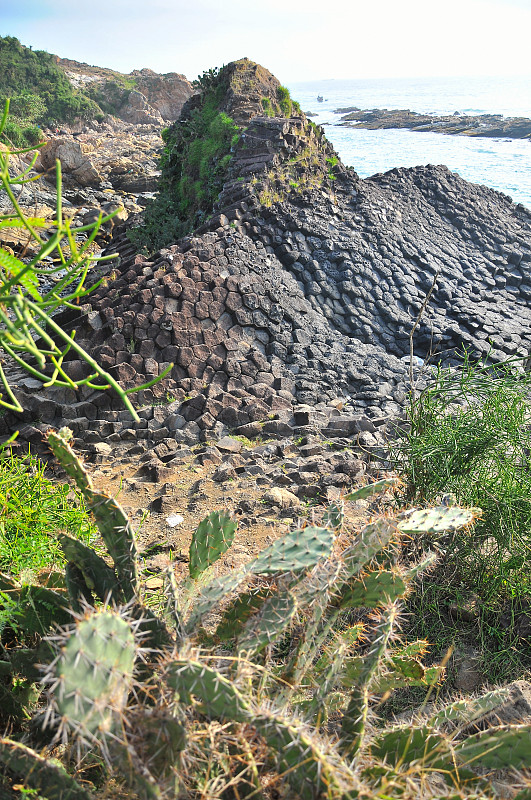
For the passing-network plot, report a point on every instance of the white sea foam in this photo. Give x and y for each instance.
(503, 164)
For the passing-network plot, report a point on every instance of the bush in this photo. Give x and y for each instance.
(468, 435)
(284, 101)
(194, 167)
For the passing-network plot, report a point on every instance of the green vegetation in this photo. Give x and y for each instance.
(31, 506)
(26, 73)
(284, 101)
(469, 437)
(215, 694)
(194, 166)
(28, 332)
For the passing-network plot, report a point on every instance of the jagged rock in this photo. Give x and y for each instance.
(307, 294)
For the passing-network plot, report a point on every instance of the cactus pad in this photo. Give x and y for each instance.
(373, 538)
(111, 519)
(239, 611)
(93, 672)
(497, 748)
(271, 621)
(437, 520)
(98, 576)
(219, 697)
(464, 712)
(406, 745)
(371, 489)
(372, 590)
(213, 537)
(294, 551)
(46, 777)
(210, 595)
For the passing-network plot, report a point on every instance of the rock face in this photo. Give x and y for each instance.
(166, 93)
(304, 284)
(140, 97)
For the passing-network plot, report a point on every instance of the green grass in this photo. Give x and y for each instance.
(33, 510)
(469, 435)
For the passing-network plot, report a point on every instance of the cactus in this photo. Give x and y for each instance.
(405, 745)
(78, 591)
(210, 595)
(92, 674)
(213, 537)
(239, 611)
(97, 575)
(38, 609)
(372, 489)
(436, 520)
(268, 624)
(465, 712)
(355, 716)
(295, 551)
(372, 590)
(334, 516)
(45, 777)
(112, 521)
(310, 769)
(219, 697)
(373, 538)
(497, 748)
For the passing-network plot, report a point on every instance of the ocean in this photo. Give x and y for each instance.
(502, 164)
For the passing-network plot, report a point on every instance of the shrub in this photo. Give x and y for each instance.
(194, 165)
(284, 101)
(468, 435)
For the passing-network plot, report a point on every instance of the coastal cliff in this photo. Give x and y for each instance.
(298, 282)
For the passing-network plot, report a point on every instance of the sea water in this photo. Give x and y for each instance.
(502, 164)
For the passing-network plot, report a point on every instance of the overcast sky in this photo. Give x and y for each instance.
(296, 39)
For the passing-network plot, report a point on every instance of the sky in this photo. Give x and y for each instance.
(297, 40)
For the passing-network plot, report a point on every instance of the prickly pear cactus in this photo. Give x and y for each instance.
(45, 777)
(219, 697)
(92, 675)
(374, 589)
(371, 489)
(497, 748)
(294, 551)
(213, 537)
(269, 624)
(437, 520)
(112, 521)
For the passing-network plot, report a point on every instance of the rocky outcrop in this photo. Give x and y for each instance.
(140, 97)
(304, 284)
(490, 125)
(166, 93)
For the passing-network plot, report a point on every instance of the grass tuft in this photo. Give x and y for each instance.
(32, 511)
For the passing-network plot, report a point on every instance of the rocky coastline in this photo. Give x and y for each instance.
(301, 288)
(488, 125)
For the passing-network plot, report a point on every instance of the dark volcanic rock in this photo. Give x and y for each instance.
(490, 125)
(308, 292)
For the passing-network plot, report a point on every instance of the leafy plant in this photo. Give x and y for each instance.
(468, 437)
(28, 331)
(265, 702)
